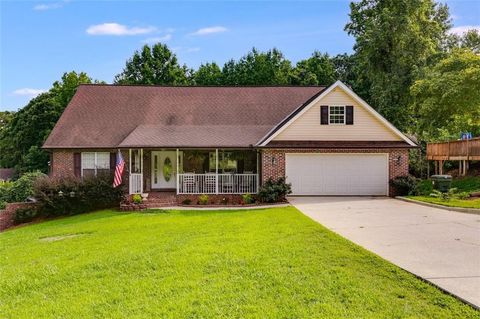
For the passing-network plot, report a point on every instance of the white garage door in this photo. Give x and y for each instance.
(337, 174)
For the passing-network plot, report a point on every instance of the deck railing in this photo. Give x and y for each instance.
(454, 150)
(211, 183)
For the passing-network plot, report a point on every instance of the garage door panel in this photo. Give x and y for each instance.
(337, 174)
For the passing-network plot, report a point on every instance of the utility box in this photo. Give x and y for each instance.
(441, 183)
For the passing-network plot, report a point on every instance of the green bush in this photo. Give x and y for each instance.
(451, 194)
(404, 185)
(23, 187)
(69, 196)
(25, 215)
(137, 199)
(274, 190)
(5, 191)
(187, 201)
(424, 187)
(248, 198)
(203, 199)
(3, 204)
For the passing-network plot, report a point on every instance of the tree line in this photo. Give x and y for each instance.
(405, 63)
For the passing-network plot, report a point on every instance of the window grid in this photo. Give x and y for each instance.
(336, 114)
(93, 162)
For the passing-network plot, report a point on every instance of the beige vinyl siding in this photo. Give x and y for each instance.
(365, 126)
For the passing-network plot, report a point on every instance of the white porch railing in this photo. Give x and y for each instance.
(136, 183)
(211, 183)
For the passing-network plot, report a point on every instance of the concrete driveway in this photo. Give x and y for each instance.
(441, 246)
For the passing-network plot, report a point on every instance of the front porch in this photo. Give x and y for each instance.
(193, 171)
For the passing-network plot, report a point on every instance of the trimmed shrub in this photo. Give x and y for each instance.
(404, 185)
(3, 204)
(69, 196)
(187, 201)
(274, 190)
(25, 215)
(248, 198)
(203, 199)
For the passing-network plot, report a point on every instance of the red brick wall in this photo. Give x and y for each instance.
(62, 164)
(277, 169)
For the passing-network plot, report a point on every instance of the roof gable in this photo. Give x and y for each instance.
(304, 123)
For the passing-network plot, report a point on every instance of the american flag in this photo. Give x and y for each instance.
(119, 166)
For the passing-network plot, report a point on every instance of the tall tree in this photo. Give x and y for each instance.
(258, 68)
(5, 118)
(154, 65)
(447, 97)
(394, 39)
(22, 137)
(318, 69)
(208, 74)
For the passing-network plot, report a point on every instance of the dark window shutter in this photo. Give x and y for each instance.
(324, 114)
(113, 160)
(349, 115)
(77, 164)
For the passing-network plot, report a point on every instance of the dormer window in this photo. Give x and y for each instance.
(336, 114)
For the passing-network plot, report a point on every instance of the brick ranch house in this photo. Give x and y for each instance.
(227, 141)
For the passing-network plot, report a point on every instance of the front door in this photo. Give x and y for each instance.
(164, 169)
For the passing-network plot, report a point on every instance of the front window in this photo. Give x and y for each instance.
(336, 115)
(94, 163)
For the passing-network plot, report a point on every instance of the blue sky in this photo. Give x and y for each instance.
(41, 40)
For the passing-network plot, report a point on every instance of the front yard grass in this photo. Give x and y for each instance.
(463, 203)
(466, 184)
(267, 263)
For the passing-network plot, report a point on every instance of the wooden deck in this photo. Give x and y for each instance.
(466, 150)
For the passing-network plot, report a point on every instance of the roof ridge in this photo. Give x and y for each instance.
(204, 86)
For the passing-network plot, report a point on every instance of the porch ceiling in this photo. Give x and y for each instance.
(195, 136)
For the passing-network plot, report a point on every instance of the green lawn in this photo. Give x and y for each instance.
(269, 263)
(465, 184)
(464, 203)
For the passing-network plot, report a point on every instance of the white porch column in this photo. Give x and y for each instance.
(216, 171)
(141, 171)
(258, 171)
(177, 171)
(129, 171)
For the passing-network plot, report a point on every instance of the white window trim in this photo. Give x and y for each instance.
(96, 161)
(344, 114)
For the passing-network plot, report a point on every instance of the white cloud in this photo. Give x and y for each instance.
(164, 38)
(28, 92)
(48, 6)
(111, 28)
(209, 30)
(464, 28)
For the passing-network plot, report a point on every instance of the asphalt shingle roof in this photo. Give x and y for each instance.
(107, 116)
